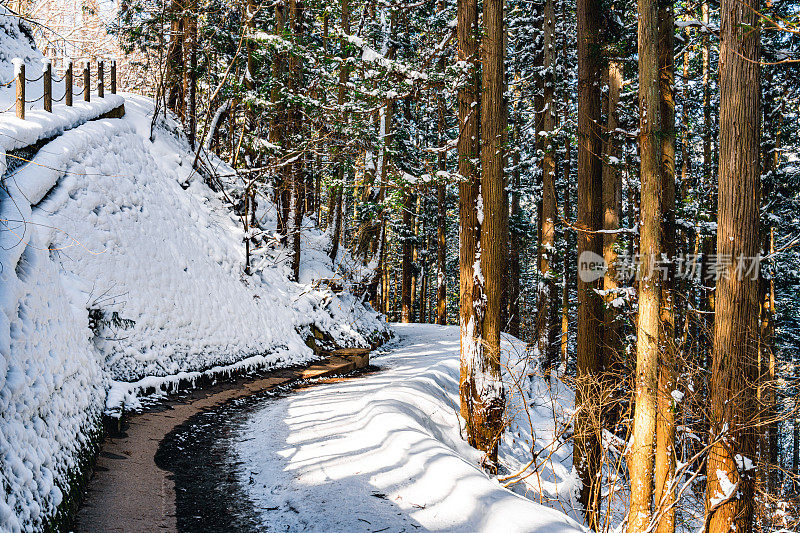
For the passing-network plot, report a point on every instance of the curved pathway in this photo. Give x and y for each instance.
(128, 491)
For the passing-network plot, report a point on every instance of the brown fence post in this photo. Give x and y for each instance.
(48, 86)
(101, 88)
(87, 82)
(68, 84)
(113, 76)
(19, 71)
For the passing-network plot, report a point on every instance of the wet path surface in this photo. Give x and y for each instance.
(207, 495)
(168, 471)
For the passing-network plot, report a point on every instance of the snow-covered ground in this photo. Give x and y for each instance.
(384, 453)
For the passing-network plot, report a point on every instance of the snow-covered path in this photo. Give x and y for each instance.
(381, 453)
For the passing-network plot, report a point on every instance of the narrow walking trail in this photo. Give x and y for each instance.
(379, 452)
(130, 490)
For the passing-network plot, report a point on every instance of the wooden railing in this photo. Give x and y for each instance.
(67, 78)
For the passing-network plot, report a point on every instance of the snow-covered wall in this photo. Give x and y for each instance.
(52, 386)
(121, 270)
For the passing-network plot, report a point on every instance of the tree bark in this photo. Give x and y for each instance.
(175, 65)
(612, 212)
(548, 215)
(796, 438)
(706, 59)
(565, 286)
(297, 171)
(490, 399)
(641, 454)
(766, 367)
(441, 200)
(191, 73)
(590, 312)
(416, 295)
(344, 75)
(278, 130)
(686, 163)
(473, 357)
(664, 495)
(441, 229)
(772, 117)
(407, 276)
(734, 374)
(515, 244)
(469, 189)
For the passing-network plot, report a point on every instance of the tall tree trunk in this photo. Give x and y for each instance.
(641, 454)
(686, 163)
(766, 363)
(423, 294)
(590, 311)
(407, 276)
(796, 437)
(664, 495)
(175, 67)
(565, 285)
(415, 295)
(384, 269)
(612, 212)
(548, 215)
(494, 232)
(471, 318)
(734, 373)
(297, 171)
(707, 295)
(191, 73)
(690, 240)
(383, 122)
(772, 117)
(250, 10)
(566, 209)
(441, 201)
(515, 244)
(344, 75)
(441, 229)
(278, 133)
(706, 58)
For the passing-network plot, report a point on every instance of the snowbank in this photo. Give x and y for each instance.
(51, 387)
(383, 451)
(123, 272)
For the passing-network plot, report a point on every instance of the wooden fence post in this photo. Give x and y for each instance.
(47, 96)
(113, 76)
(68, 84)
(101, 88)
(87, 82)
(19, 73)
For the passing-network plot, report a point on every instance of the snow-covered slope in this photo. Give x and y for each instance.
(160, 266)
(122, 271)
(385, 452)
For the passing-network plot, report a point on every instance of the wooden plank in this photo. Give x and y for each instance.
(349, 352)
(335, 365)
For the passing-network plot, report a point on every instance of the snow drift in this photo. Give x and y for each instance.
(122, 271)
(388, 449)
